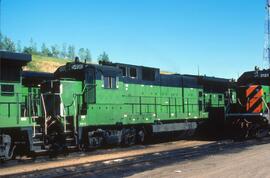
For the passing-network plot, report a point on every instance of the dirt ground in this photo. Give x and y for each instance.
(250, 162)
(201, 160)
(24, 166)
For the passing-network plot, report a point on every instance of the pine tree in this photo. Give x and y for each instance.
(71, 52)
(45, 51)
(104, 57)
(88, 55)
(82, 54)
(33, 46)
(19, 47)
(1, 42)
(64, 51)
(9, 45)
(55, 50)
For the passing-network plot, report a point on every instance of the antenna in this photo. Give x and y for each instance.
(0, 38)
(1, 17)
(267, 34)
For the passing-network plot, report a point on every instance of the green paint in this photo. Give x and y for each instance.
(137, 104)
(13, 107)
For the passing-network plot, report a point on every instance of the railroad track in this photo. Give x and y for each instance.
(28, 164)
(43, 158)
(92, 168)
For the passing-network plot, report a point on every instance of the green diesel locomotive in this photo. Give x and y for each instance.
(20, 106)
(89, 105)
(115, 103)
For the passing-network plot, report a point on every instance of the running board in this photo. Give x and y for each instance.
(174, 127)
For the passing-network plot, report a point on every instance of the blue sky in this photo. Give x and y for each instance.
(224, 38)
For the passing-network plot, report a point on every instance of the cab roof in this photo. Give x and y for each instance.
(15, 57)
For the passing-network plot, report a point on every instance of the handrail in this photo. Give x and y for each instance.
(227, 108)
(75, 113)
(268, 117)
(45, 114)
(64, 112)
(18, 108)
(85, 85)
(29, 106)
(64, 108)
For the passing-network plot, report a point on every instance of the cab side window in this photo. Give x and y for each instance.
(109, 82)
(148, 74)
(124, 71)
(133, 72)
(7, 90)
(90, 92)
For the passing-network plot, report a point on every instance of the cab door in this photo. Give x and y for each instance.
(90, 87)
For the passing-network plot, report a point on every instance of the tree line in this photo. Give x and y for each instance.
(64, 52)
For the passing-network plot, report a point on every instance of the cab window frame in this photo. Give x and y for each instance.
(110, 82)
(132, 71)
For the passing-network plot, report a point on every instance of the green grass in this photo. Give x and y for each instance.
(52, 59)
(45, 64)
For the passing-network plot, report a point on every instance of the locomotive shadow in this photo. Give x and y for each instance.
(201, 153)
(146, 163)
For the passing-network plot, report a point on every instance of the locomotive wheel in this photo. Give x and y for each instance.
(240, 129)
(7, 150)
(129, 137)
(56, 137)
(141, 136)
(190, 133)
(262, 133)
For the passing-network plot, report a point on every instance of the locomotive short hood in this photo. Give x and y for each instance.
(78, 70)
(256, 77)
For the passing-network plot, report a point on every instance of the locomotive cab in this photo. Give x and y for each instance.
(249, 116)
(67, 98)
